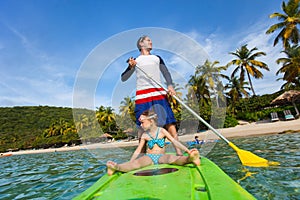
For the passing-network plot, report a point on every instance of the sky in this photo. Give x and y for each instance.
(71, 53)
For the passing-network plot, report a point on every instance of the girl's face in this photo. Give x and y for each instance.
(145, 122)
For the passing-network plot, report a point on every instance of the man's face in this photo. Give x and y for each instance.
(147, 43)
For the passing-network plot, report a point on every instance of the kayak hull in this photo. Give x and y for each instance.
(164, 181)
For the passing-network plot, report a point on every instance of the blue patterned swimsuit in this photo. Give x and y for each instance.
(160, 142)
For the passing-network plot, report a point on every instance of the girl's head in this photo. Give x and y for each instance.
(148, 119)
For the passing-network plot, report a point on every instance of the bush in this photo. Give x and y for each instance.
(230, 122)
(248, 116)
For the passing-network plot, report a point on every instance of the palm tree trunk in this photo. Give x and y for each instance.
(297, 112)
(250, 82)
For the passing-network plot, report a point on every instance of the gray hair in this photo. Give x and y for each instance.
(141, 39)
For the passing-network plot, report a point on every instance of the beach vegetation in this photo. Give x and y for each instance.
(35, 127)
(288, 24)
(21, 127)
(247, 64)
(290, 68)
(230, 121)
(235, 90)
(106, 118)
(175, 105)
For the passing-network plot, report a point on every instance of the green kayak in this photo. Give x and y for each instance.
(164, 181)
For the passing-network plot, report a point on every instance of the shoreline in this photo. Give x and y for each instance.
(242, 130)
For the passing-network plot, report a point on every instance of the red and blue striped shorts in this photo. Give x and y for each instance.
(154, 99)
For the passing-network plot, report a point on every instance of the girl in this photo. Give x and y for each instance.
(154, 137)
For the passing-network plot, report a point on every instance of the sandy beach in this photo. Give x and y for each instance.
(242, 130)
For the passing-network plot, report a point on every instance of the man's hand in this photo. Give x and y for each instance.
(131, 62)
(171, 90)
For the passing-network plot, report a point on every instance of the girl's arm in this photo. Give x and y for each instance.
(174, 141)
(138, 150)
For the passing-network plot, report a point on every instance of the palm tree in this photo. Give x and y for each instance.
(106, 118)
(295, 85)
(212, 76)
(211, 73)
(290, 66)
(60, 127)
(288, 23)
(126, 119)
(82, 122)
(246, 63)
(127, 108)
(236, 91)
(198, 91)
(175, 105)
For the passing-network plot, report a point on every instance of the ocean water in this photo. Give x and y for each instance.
(63, 175)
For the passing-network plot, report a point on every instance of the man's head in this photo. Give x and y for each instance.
(144, 42)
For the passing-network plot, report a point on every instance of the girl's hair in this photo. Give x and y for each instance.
(141, 39)
(150, 115)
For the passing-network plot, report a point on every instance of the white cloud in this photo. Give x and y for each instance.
(38, 91)
(219, 45)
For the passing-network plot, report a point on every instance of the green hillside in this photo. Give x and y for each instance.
(24, 127)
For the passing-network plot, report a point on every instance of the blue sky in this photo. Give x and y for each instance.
(44, 45)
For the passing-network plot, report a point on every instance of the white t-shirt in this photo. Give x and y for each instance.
(150, 65)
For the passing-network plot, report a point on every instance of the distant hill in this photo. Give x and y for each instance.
(21, 126)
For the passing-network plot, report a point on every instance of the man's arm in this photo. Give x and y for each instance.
(130, 69)
(127, 73)
(164, 70)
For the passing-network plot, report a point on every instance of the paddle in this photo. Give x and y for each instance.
(246, 157)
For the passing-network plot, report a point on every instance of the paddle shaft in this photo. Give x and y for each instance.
(186, 106)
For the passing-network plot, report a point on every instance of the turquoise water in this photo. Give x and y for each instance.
(63, 175)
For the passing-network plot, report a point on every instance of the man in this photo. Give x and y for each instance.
(148, 94)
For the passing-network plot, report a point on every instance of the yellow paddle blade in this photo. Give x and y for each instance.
(249, 159)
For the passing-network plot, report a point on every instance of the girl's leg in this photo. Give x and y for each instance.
(143, 161)
(181, 160)
(173, 159)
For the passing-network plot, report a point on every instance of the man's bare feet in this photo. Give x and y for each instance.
(195, 157)
(111, 167)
